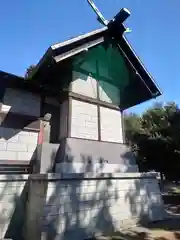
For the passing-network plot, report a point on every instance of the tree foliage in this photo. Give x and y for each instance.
(30, 70)
(155, 138)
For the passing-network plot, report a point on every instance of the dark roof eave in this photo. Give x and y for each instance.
(9, 80)
(48, 55)
(137, 63)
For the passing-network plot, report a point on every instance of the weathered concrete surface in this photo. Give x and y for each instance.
(76, 206)
(81, 205)
(80, 150)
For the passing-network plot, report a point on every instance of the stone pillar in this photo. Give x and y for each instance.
(35, 206)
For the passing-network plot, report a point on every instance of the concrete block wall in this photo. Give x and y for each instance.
(94, 167)
(12, 205)
(21, 146)
(111, 125)
(84, 122)
(18, 144)
(78, 206)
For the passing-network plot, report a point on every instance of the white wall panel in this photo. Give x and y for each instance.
(85, 85)
(84, 122)
(111, 125)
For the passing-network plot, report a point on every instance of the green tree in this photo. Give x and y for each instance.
(30, 70)
(155, 138)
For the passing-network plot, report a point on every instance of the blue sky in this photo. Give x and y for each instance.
(28, 28)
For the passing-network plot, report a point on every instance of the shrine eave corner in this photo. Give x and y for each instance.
(141, 86)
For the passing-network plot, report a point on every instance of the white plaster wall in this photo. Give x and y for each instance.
(18, 101)
(85, 85)
(111, 125)
(84, 123)
(16, 144)
(80, 208)
(109, 93)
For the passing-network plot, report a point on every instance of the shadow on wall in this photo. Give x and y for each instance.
(75, 208)
(16, 122)
(145, 201)
(125, 159)
(138, 199)
(68, 212)
(80, 208)
(13, 198)
(12, 124)
(128, 157)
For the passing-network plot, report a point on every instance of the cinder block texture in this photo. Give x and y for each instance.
(16, 144)
(84, 122)
(76, 206)
(80, 208)
(12, 206)
(111, 125)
